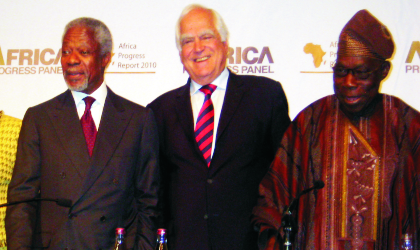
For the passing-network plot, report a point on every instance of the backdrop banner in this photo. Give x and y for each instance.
(293, 42)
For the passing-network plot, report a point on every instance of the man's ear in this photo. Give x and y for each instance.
(106, 59)
(226, 45)
(386, 66)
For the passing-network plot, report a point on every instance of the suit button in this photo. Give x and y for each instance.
(209, 181)
(115, 181)
(103, 219)
(206, 216)
(62, 175)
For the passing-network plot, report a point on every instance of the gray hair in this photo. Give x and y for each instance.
(100, 32)
(218, 23)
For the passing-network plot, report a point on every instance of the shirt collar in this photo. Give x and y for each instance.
(220, 82)
(99, 95)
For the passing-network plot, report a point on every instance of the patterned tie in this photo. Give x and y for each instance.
(205, 123)
(88, 125)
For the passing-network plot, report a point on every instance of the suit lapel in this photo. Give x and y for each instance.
(114, 121)
(183, 110)
(234, 93)
(66, 122)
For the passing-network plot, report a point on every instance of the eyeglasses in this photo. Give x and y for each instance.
(358, 74)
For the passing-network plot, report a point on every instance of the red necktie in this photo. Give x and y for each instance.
(205, 123)
(88, 125)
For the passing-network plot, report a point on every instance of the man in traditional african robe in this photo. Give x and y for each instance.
(363, 145)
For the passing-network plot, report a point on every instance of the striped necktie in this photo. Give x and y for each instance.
(205, 123)
(88, 125)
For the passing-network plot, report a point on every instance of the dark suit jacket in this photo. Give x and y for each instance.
(210, 208)
(116, 187)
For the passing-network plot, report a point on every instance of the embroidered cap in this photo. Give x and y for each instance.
(365, 36)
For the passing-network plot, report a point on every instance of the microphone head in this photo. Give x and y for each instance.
(319, 184)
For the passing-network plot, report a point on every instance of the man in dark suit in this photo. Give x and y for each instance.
(218, 135)
(111, 176)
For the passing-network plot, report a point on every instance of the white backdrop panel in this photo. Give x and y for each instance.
(30, 40)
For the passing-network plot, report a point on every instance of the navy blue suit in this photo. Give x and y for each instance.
(210, 207)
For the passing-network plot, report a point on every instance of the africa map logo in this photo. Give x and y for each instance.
(322, 60)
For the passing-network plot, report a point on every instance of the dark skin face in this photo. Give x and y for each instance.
(83, 66)
(356, 94)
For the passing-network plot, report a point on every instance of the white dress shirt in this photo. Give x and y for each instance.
(97, 106)
(218, 96)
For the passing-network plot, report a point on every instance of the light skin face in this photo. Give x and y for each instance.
(83, 66)
(356, 94)
(203, 53)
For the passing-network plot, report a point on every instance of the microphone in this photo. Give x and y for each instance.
(288, 222)
(60, 202)
(317, 185)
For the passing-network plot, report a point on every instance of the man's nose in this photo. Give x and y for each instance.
(198, 45)
(73, 59)
(350, 81)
